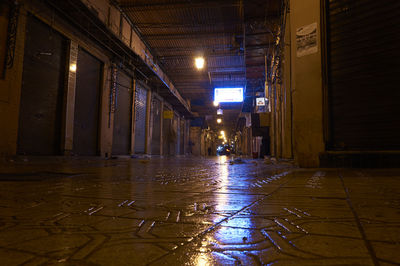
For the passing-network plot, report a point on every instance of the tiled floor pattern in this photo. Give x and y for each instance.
(195, 211)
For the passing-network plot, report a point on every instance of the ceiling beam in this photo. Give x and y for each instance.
(232, 68)
(194, 47)
(215, 68)
(192, 80)
(237, 78)
(183, 76)
(228, 51)
(193, 91)
(191, 85)
(194, 25)
(180, 5)
(222, 34)
(227, 69)
(217, 54)
(272, 17)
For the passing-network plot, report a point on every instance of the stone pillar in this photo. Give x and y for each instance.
(10, 85)
(287, 148)
(307, 84)
(70, 99)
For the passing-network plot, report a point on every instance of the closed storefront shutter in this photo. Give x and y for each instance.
(167, 133)
(177, 134)
(156, 126)
(87, 104)
(182, 138)
(140, 119)
(363, 41)
(122, 115)
(41, 103)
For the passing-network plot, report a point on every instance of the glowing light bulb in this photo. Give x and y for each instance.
(72, 67)
(199, 62)
(219, 120)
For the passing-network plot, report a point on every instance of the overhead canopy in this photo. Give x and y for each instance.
(235, 37)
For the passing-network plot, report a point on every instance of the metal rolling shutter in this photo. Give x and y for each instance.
(364, 74)
(42, 90)
(122, 115)
(166, 134)
(156, 133)
(87, 103)
(175, 124)
(140, 119)
(182, 138)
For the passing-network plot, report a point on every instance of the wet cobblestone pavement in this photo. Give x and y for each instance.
(196, 211)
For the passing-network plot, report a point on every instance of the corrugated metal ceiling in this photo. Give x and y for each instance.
(221, 30)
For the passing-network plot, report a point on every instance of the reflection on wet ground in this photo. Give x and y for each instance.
(195, 211)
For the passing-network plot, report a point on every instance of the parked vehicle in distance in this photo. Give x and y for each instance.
(224, 150)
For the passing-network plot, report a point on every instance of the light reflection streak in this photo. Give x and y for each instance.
(236, 230)
(222, 197)
(223, 173)
(202, 259)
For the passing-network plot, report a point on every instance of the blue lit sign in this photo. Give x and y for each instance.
(228, 95)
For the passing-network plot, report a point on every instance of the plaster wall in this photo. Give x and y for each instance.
(307, 88)
(195, 139)
(287, 147)
(10, 92)
(10, 86)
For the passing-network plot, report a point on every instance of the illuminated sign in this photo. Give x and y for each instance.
(260, 101)
(228, 95)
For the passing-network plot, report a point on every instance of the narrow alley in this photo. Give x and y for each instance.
(199, 132)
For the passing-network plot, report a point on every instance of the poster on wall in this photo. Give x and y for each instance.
(168, 114)
(306, 40)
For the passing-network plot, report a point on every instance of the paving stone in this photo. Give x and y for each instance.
(190, 211)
